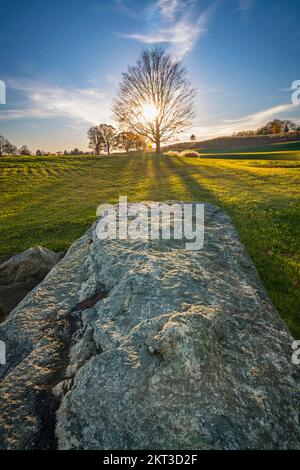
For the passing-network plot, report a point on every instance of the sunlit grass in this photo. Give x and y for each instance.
(51, 201)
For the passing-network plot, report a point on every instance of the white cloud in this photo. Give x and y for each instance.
(189, 32)
(169, 7)
(250, 122)
(261, 117)
(89, 105)
(182, 35)
(178, 26)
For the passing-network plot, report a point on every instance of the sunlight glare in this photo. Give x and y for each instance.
(149, 112)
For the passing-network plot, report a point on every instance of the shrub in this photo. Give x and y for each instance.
(172, 153)
(189, 153)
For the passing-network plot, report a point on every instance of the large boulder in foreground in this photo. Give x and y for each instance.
(134, 345)
(21, 273)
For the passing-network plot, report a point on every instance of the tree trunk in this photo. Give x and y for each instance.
(157, 138)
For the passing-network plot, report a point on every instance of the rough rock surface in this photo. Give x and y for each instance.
(148, 345)
(21, 273)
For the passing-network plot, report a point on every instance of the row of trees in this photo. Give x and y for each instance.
(103, 137)
(7, 148)
(106, 138)
(275, 127)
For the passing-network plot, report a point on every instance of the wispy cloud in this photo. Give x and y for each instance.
(169, 8)
(41, 100)
(250, 122)
(255, 120)
(178, 26)
(128, 8)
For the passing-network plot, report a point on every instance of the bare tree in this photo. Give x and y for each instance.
(96, 139)
(109, 136)
(155, 98)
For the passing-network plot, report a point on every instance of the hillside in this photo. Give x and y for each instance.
(234, 142)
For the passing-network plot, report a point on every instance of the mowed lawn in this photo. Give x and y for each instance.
(51, 201)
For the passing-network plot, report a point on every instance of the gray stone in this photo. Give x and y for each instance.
(140, 345)
(21, 273)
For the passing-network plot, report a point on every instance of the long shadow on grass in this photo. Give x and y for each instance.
(194, 188)
(170, 181)
(237, 178)
(160, 187)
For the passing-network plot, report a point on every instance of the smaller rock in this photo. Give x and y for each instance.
(33, 263)
(21, 273)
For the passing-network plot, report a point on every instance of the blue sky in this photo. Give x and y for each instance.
(62, 61)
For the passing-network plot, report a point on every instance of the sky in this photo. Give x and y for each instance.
(62, 61)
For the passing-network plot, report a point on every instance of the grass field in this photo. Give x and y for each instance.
(51, 201)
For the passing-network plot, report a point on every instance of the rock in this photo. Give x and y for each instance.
(136, 345)
(33, 263)
(21, 273)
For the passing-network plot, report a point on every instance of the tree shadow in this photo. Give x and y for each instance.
(192, 186)
(160, 187)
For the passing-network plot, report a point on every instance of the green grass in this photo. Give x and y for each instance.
(281, 151)
(51, 201)
(267, 149)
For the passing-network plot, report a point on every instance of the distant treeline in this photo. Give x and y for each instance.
(102, 139)
(276, 127)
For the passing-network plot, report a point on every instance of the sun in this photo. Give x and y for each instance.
(149, 112)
